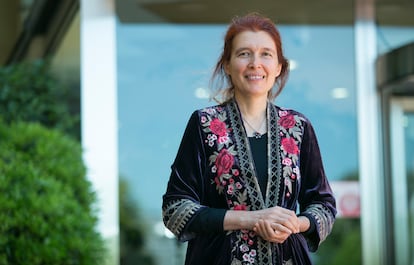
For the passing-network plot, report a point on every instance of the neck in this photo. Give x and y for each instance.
(252, 108)
(253, 113)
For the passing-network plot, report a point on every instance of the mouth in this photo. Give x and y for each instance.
(254, 77)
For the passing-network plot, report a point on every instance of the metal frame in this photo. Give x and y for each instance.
(399, 179)
(395, 82)
(47, 18)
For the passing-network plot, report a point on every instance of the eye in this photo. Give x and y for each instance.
(267, 54)
(243, 54)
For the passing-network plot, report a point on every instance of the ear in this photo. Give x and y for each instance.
(226, 68)
(278, 69)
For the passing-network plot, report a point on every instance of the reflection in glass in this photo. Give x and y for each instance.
(409, 160)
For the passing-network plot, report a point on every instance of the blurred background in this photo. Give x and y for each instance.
(136, 70)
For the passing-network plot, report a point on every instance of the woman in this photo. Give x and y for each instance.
(248, 184)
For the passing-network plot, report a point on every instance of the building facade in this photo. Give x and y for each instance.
(142, 67)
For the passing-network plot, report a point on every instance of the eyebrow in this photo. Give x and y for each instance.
(246, 48)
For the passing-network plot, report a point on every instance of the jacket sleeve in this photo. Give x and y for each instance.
(316, 199)
(181, 201)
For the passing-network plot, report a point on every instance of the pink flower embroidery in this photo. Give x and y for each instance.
(224, 162)
(218, 127)
(282, 113)
(289, 145)
(240, 207)
(223, 139)
(244, 248)
(287, 161)
(287, 121)
(230, 190)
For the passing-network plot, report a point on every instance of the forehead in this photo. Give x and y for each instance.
(254, 40)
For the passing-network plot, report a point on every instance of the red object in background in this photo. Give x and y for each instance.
(347, 195)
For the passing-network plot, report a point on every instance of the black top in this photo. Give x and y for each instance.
(259, 152)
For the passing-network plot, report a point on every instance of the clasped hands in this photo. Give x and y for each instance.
(276, 224)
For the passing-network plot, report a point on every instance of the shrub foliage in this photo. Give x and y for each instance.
(45, 199)
(29, 92)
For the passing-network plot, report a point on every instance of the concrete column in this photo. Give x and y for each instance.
(369, 143)
(99, 112)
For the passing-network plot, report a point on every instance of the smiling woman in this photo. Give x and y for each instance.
(251, 44)
(246, 167)
(149, 136)
(253, 66)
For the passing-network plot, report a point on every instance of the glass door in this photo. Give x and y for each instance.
(401, 147)
(395, 81)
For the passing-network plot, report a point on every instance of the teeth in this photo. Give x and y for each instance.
(255, 77)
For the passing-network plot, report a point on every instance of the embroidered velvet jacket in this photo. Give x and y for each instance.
(214, 168)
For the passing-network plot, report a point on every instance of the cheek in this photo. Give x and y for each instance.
(236, 66)
(275, 70)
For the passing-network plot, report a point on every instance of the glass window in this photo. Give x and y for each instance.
(392, 37)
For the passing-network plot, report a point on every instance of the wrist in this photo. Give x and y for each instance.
(249, 219)
(304, 223)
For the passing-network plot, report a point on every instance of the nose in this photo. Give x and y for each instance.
(254, 62)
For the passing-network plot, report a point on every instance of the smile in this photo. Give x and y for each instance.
(254, 77)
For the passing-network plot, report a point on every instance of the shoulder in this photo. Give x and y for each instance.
(210, 112)
(204, 115)
(284, 113)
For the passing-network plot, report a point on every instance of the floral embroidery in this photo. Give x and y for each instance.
(289, 146)
(226, 170)
(291, 136)
(227, 175)
(287, 121)
(224, 162)
(240, 207)
(218, 127)
(249, 253)
(215, 127)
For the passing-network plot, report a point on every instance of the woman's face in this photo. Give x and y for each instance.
(253, 65)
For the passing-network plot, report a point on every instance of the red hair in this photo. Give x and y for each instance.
(251, 22)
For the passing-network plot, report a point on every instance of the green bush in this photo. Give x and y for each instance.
(46, 202)
(30, 92)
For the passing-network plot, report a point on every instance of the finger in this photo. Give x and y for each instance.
(282, 228)
(283, 216)
(290, 222)
(266, 230)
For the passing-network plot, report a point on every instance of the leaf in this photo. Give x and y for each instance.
(287, 171)
(288, 182)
